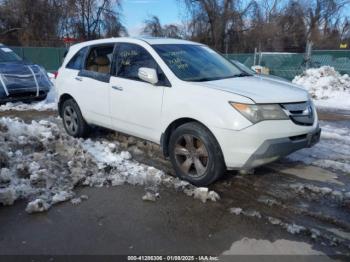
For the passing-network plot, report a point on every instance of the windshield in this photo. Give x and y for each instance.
(196, 62)
(7, 55)
(243, 67)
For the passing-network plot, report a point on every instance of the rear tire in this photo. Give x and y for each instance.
(196, 155)
(73, 121)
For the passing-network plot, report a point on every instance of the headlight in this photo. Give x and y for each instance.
(256, 113)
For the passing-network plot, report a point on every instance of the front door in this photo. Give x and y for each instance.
(136, 105)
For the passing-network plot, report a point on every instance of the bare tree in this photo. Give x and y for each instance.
(271, 25)
(172, 31)
(322, 13)
(211, 20)
(89, 18)
(44, 22)
(153, 27)
(38, 20)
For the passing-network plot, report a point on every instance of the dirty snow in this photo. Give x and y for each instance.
(42, 164)
(332, 152)
(203, 194)
(149, 196)
(291, 228)
(235, 210)
(48, 104)
(327, 87)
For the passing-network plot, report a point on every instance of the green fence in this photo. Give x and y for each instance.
(49, 57)
(286, 65)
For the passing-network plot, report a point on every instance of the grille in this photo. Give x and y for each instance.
(300, 113)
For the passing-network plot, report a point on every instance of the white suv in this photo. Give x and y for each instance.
(206, 113)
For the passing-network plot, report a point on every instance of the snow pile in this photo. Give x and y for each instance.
(32, 164)
(123, 170)
(331, 152)
(327, 86)
(50, 103)
(42, 164)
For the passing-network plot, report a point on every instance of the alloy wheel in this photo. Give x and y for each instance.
(191, 155)
(70, 119)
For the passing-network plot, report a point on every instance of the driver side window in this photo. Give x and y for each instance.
(130, 57)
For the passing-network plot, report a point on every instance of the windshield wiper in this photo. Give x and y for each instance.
(242, 75)
(205, 79)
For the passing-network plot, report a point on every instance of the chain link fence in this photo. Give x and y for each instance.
(286, 65)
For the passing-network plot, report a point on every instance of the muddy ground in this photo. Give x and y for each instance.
(287, 207)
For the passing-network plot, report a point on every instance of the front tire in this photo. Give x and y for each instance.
(196, 155)
(73, 121)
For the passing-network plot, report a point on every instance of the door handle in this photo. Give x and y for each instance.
(119, 88)
(78, 78)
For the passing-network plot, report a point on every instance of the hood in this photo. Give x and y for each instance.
(19, 76)
(260, 89)
(272, 77)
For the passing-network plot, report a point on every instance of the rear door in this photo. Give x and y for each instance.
(67, 78)
(92, 83)
(135, 104)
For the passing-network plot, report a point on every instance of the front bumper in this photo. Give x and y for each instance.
(23, 97)
(274, 149)
(264, 142)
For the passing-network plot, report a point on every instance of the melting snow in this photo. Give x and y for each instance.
(35, 166)
(331, 152)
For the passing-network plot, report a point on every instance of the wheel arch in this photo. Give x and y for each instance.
(165, 138)
(63, 97)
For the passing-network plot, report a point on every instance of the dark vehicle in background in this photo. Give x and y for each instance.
(21, 80)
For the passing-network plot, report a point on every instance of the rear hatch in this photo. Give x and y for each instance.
(23, 79)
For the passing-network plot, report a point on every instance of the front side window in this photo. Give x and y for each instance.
(100, 59)
(78, 60)
(196, 62)
(130, 57)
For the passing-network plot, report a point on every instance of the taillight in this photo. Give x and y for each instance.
(55, 74)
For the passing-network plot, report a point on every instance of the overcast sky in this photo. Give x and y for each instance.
(136, 11)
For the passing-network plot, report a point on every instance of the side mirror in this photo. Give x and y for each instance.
(148, 74)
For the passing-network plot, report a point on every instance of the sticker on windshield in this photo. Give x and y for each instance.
(7, 50)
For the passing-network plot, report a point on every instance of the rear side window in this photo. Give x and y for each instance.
(100, 59)
(77, 61)
(130, 58)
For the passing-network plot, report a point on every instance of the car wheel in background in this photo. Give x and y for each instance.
(73, 120)
(196, 155)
